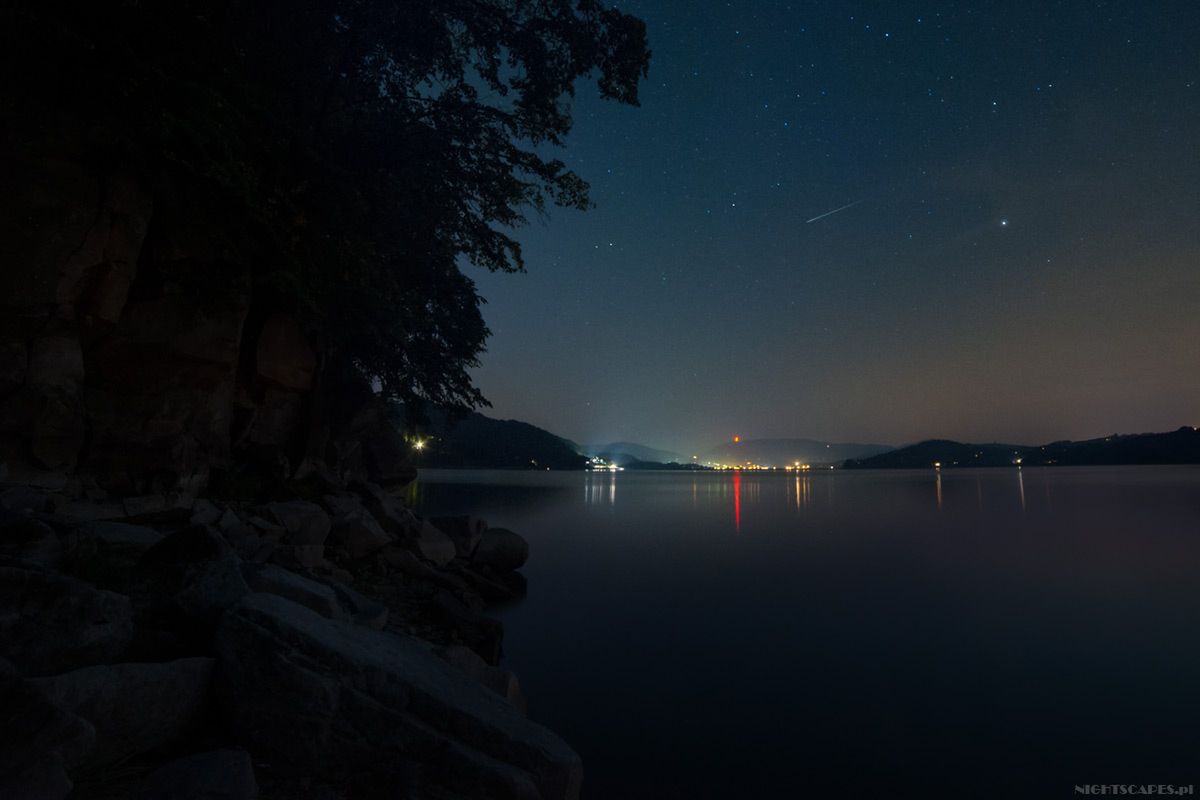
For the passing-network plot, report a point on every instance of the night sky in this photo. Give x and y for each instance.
(1022, 262)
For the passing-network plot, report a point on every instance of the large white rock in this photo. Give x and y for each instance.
(332, 699)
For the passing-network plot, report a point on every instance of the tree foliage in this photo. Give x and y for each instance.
(356, 151)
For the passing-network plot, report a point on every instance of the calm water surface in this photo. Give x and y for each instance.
(991, 633)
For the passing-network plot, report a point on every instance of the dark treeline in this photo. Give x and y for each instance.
(345, 156)
(1181, 446)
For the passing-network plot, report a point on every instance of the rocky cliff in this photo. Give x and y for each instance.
(135, 351)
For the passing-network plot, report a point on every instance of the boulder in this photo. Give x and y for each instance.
(134, 708)
(86, 511)
(272, 579)
(388, 510)
(331, 699)
(465, 532)
(501, 550)
(501, 681)
(197, 569)
(216, 775)
(50, 623)
(169, 507)
(434, 545)
(29, 539)
(360, 534)
(106, 553)
(494, 589)
(24, 498)
(482, 634)
(210, 587)
(39, 741)
(299, 556)
(205, 512)
(306, 523)
(360, 609)
(409, 564)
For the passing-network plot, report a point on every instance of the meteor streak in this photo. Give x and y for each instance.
(836, 210)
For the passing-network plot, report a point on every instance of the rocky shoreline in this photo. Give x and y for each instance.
(331, 646)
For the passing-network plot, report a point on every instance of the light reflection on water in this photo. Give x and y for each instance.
(746, 489)
(999, 633)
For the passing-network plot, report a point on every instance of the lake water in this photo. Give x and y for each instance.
(990, 633)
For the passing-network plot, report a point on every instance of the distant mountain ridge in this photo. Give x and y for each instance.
(629, 451)
(478, 442)
(784, 452)
(1181, 446)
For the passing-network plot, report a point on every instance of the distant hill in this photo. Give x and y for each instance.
(1181, 446)
(622, 452)
(479, 442)
(782, 452)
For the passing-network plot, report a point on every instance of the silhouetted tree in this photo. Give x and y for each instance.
(356, 152)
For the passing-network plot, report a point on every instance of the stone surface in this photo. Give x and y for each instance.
(464, 531)
(134, 708)
(501, 550)
(50, 623)
(360, 534)
(160, 392)
(284, 355)
(106, 553)
(29, 539)
(482, 634)
(360, 609)
(210, 587)
(198, 569)
(39, 741)
(86, 511)
(272, 579)
(168, 507)
(501, 681)
(333, 699)
(215, 775)
(24, 498)
(388, 510)
(306, 523)
(205, 512)
(434, 546)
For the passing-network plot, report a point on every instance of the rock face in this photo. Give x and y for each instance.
(39, 741)
(109, 365)
(215, 775)
(51, 623)
(329, 696)
(135, 708)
